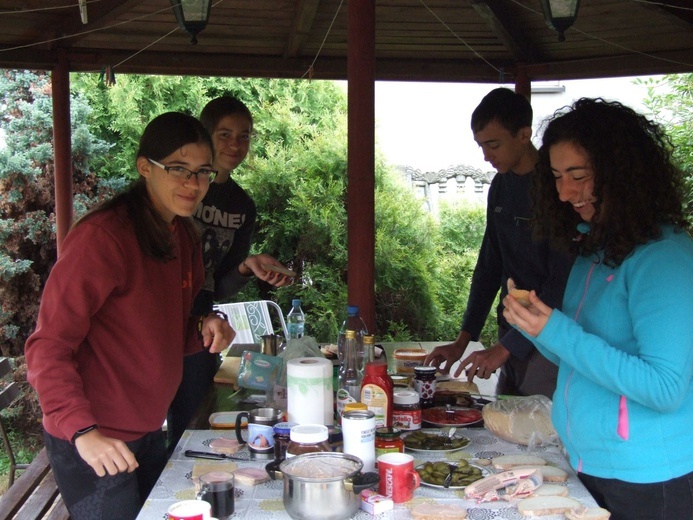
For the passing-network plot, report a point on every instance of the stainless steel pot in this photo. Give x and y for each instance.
(323, 485)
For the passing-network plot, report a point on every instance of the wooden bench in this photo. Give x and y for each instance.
(34, 495)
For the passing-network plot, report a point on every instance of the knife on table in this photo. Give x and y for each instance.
(213, 456)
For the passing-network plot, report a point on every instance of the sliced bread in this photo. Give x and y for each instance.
(551, 490)
(588, 513)
(506, 462)
(438, 512)
(548, 505)
(549, 473)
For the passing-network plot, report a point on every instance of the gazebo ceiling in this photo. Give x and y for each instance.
(416, 40)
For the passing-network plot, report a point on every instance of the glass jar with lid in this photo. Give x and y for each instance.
(406, 410)
(388, 440)
(308, 438)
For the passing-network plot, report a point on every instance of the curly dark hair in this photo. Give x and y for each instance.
(636, 184)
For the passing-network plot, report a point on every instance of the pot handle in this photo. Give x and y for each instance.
(364, 481)
(273, 471)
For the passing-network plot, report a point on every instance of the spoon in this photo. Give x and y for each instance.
(448, 479)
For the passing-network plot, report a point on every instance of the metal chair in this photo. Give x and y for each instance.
(252, 320)
(7, 397)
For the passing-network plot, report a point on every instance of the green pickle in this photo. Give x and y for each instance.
(435, 473)
(434, 441)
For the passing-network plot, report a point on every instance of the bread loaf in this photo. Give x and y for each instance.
(522, 420)
(549, 505)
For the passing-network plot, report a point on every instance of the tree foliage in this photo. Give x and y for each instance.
(670, 99)
(27, 206)
(296, 172)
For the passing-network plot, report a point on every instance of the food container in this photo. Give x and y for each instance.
(323, 486)
(408, 358)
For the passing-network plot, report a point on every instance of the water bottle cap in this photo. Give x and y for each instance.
(352, 310)
(295, 302)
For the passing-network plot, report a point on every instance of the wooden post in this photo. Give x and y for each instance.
(62, 148)
(361, 158)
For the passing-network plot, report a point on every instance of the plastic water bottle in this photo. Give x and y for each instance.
(352, 322)
(295, 320)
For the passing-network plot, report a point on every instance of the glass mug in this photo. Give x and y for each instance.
(260, 430)
(217, 489)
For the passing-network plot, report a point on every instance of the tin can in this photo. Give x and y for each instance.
(358, 430)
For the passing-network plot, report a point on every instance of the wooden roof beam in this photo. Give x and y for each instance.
(303, 23)
(496, 16)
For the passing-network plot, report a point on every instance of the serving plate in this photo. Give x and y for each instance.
(484, 473)
(451, 416)
(434, 433)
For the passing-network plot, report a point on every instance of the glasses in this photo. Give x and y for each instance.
(179, 172)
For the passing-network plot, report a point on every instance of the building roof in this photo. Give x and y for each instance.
(416, 40)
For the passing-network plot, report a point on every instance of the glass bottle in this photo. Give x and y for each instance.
(349, 379)
(352, 322)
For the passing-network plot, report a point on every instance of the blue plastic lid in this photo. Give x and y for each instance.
(284, 428)
(352, 310)
(296, 302)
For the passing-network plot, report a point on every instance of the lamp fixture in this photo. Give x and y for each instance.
(192, 16)
(560, 14)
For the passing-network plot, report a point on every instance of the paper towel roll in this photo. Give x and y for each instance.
(310, 398)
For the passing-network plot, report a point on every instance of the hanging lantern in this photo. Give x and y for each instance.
(560, 14)
(192, 15)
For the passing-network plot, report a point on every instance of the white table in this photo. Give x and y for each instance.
(265, 500)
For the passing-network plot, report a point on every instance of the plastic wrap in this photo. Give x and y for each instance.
(523, 420)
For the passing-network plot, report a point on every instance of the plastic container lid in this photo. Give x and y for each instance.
(405, 397)
(284, 428)
(388, 433)
(309, 433)
(355, 406)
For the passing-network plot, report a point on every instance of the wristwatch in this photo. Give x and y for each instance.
(81, 432)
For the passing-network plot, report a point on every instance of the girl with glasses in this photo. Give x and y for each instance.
(115, 322)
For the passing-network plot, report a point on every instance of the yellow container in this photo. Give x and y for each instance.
(408, 358)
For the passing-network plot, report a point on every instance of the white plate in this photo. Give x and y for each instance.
(484, 473)
(435, 431)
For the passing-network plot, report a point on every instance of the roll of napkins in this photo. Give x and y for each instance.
(309, 391)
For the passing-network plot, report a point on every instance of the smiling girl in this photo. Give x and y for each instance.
(608, 190)
(115, 321)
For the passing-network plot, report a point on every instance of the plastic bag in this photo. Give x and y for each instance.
(258, 371)
(294, 348)
(523, 420)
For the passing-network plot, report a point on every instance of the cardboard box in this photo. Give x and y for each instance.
(373, 503)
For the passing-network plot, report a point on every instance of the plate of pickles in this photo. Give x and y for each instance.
(448, 475)
(435, 440)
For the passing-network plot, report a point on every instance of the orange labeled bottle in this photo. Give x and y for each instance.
(376, 393)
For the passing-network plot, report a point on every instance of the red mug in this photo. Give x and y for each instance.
(190, 510)
(398, 478)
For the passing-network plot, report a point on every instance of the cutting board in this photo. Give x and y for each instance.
(228, 371)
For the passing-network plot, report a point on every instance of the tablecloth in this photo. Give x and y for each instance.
(264, 501)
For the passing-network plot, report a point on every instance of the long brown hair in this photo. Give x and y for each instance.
(163, 135)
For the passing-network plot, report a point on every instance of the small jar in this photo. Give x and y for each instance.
(406, 410)
(388, 440)
(425, 384)
(307, 438)
(282, 438)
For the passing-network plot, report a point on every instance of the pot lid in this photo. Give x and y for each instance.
(321, 466)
